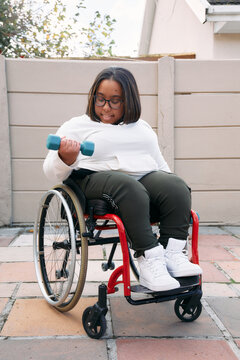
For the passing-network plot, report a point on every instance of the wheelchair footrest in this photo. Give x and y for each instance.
(186, 283)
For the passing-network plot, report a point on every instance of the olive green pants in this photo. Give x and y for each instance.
(157, 197)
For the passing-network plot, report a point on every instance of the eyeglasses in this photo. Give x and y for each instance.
(114, 103)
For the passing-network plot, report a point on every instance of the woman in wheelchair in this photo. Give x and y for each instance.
(128, 170)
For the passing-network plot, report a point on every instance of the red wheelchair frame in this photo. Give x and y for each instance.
(187, 307)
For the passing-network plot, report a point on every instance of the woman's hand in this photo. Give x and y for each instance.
(68, 151)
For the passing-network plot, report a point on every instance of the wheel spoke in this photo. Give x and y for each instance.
(60, 270)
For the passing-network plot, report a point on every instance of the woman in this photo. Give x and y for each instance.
(128, 170)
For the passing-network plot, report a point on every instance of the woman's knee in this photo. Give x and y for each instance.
(164, 186)
(178, 193)
(177, 184)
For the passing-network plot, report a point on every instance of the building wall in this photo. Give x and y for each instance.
(176, 29)
(192, 105)
(226, 46)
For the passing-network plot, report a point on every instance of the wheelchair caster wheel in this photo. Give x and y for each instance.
(112, 266)
(106, 267)
(94, 331)
(187, 313)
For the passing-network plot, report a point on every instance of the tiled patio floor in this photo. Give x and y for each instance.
(32, 329)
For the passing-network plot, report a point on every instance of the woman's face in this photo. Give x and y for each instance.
(109, 90)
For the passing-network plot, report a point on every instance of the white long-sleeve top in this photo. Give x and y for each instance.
(129, 148)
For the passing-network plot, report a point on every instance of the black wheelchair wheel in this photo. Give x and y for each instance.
(185, 314)
(60, 251)
(96, 331)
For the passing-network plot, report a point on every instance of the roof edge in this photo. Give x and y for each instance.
(207, 12)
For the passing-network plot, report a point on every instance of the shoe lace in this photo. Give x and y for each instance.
(156, 267)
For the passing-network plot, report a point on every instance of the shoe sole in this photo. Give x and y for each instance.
(158, 288)
(183, 274)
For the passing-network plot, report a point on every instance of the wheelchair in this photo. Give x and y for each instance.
(66, 225)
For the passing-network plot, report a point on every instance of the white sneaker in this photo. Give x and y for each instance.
(177, 262)
(153, 271)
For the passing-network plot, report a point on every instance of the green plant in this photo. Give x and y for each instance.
(44, 28)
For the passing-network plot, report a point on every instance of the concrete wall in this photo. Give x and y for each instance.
(207, 131)
(176, 29)
(192, 105)
(42, 94)
(5, 158)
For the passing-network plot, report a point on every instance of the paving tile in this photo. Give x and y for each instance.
(156, 320)
(177, 349)
(5, 240)
(211, 230)
(35, 317)
(6, 289)
(26, 240)
(18, 271)
(232, 268)
(218, 240)
(8, 231)
(118, 252)
(213, 289)
(23, 240)
(33, 290)
(91, 288)
(95, 272)
(12, 254)
(235, 250)
(228, 310)
(3, 302)
(29, 290)
(52, 349)
(95, 252)
(213, 253)
(211, 273)
(233, 229)
(236, 287)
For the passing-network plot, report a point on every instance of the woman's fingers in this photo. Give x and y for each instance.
(69, 150)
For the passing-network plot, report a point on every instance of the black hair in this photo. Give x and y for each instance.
(131, 99)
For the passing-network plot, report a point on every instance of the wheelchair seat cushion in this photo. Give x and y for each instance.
(100, 207)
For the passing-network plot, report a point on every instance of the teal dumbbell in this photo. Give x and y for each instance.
(54, 141)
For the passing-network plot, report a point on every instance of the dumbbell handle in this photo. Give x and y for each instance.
(54, 141)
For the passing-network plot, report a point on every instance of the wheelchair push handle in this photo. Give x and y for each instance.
(54, 141)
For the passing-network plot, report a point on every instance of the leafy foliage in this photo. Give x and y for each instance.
(99, 36)
(44, 28)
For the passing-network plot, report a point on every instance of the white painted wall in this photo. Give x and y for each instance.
(176, 29)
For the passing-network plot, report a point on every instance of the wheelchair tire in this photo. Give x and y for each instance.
(60, 251)
(97, 331)
(187, 316)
